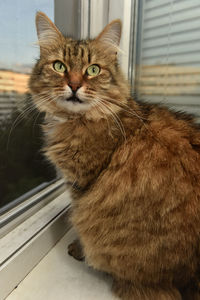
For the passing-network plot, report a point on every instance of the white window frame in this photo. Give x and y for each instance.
(19, 213)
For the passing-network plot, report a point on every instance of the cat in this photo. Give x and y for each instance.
(133, 168)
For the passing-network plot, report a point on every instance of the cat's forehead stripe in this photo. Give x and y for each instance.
(64, 53)
(79, 50)
(89, 57)
(69, 51)
(82, 52)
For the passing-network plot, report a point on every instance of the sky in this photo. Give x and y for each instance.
(18, 33)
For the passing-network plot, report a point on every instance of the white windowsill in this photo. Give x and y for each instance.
(58, 276)
(22, 211)
(22, 248)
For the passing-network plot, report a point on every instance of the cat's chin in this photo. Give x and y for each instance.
(74, 100)
(74, 106)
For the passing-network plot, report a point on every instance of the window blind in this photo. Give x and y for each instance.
(168, 60)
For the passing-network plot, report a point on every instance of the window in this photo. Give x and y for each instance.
(22, 165)
(168, 53)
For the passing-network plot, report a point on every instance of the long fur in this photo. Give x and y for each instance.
(133, 170)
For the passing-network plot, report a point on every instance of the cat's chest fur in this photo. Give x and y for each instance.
(80, 149)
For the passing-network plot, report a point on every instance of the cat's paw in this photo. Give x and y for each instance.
(75, 250)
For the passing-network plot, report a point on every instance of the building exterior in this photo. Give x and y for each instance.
(13, 87)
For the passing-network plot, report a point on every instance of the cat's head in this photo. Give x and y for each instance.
(77, 77)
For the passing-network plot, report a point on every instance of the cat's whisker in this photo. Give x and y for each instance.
(42, 101)
(34, 124)
(98, 106)
(122, 105)
(29, 109)
(115, 118)
(17, 121)
(128, 110)
(38, 114)
(119, 121)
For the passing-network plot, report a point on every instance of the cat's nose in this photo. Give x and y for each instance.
(74, 86)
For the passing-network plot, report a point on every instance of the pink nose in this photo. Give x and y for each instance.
(74, 86)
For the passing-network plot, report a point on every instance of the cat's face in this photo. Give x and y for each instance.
(77, 76)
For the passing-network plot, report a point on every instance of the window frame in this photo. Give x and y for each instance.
(19, 213)
(126, 11)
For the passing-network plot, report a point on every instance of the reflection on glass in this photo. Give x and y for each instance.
(22, 165)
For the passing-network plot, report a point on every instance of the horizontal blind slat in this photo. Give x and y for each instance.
(193, 57)
(171, 80)
(172, 8)
(156, 70)
(173, 49)
(168, 90)
(173, 19)
(153, 4)
(169, 63)
(186, 100)
(177, 28)
(182, 38)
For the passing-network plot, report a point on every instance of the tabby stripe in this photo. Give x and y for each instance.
(89, 56)
(64, 53)
(82, 52)
(76, 48)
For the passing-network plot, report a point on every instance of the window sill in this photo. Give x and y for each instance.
(59, 276)
(24, 246)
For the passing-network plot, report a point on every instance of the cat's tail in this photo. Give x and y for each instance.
(128, 291)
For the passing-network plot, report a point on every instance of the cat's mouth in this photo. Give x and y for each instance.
(74, 99)
(73, 104)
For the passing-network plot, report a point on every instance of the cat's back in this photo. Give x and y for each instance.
(174, 129)
(165, 136)
(160, 161)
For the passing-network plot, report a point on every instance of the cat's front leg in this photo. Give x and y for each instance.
(75, 249)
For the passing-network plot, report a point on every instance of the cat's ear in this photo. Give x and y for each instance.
(111, 34)
(47, 32)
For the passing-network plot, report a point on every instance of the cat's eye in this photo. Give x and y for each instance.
(93, 70)
(59, 66)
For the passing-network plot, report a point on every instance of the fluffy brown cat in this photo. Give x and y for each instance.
(133, 168)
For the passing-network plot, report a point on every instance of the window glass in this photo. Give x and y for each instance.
(168, 52)
(22, 165)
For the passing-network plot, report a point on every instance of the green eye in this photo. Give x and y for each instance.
(93, 70)
(59, 66)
